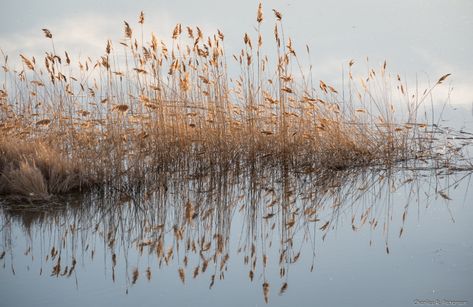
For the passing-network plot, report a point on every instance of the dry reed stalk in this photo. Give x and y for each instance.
(175, 110)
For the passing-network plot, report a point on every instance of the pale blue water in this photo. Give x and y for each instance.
(432, 260)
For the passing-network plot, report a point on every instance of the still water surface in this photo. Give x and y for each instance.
(353, 238)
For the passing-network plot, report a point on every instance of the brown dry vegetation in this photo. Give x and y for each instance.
(147, 108)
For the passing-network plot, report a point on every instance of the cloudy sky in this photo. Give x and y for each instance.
(421, 39)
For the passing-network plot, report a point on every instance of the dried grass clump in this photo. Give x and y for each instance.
(26, 180)
(162, 107)
(35, 171)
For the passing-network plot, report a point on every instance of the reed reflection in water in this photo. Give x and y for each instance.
(268, 218)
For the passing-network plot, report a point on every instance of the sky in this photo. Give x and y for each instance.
(420, 39)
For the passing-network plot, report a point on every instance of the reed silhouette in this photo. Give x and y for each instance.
(171, 108)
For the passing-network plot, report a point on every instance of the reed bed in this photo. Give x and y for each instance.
(169, 107)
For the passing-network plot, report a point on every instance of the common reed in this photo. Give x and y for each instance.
(150, 108)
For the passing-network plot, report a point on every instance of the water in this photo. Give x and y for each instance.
(116, 242)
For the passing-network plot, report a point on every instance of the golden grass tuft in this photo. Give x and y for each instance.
(35, 171)
(26, 180)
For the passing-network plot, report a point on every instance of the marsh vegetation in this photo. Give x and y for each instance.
(156, 156)
(145, 109)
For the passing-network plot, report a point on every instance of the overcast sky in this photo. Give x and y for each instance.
(423, 38)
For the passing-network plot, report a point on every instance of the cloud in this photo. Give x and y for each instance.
(459, 86)
(87, 34)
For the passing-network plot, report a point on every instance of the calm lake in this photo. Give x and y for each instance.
(361, 238)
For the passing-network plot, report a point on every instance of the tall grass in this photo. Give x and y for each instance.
(147, 108)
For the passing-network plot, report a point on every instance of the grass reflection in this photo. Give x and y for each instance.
(268, 218)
